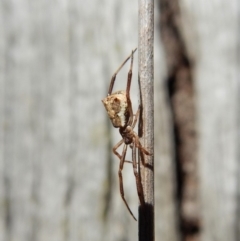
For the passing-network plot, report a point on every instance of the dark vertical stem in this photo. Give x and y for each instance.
(146, 123)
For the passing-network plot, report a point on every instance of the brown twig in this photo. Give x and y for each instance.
(146, 123)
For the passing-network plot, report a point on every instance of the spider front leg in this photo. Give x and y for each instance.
(129, 77)
(121, 164)
(115, 74)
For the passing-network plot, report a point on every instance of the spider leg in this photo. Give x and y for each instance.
(142, 150)
(117, 154)
(116, 147)
(128, 91)
(137, 176)
(130, 162)
(139, 145)
(121, 179)
(137, 141)
(136, 117)
(115, 74)
(129, 77)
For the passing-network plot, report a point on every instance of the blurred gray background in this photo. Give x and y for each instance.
(58, 176)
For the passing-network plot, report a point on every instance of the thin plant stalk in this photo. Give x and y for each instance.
(146, 123)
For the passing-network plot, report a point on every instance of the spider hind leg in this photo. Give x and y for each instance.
(121, 165)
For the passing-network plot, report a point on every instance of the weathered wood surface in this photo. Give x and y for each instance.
(58, 177)
(211, 30)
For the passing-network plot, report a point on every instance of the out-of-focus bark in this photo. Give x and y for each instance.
(211, 31)
(181, 92)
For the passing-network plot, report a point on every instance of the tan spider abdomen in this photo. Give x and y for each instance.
(117, 108)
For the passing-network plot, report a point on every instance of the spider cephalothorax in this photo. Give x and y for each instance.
(119, 109)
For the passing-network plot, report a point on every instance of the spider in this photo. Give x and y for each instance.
(119, 108)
